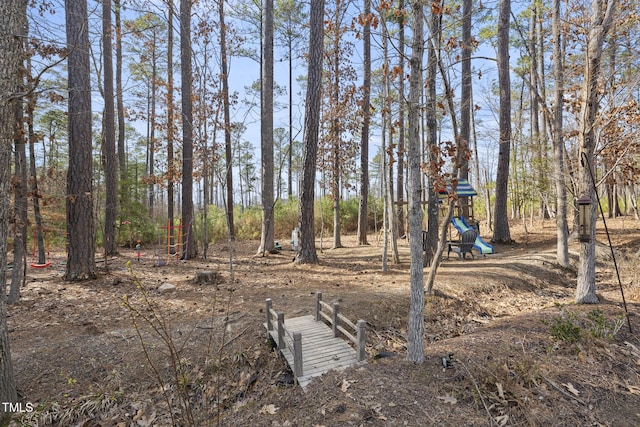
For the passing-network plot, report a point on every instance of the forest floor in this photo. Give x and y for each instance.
(118, 352)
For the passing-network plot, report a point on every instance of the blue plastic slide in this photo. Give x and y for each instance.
(480, 245)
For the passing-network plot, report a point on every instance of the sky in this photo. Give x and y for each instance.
(244, 71)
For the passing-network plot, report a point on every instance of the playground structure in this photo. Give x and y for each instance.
(480, 245)
(464, 201)
(463, 218)
(170, 243)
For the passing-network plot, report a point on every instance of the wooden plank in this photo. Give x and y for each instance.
(334, 356)
(321, 351)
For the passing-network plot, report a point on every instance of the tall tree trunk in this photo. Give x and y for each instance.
(189, 248)
(13, 23)
(534, 107)
(601, 21)
(80, 222)
(122, 163)
(562, 226)
(266, 140)
(432, 137)
(20, 209)
(415, 346)
(501, 232)
(290, 151)
(33, 176)
(152, 129)
(206, 167)
(465, 99)
(460, 154)
(170, 126)
(388, 153)
(363, 217)
(307, 252)
(334, 126)
(228, 153)
(109, 141)
(401, 130)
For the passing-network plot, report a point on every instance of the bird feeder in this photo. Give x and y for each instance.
(584, 218)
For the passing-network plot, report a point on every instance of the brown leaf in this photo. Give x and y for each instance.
(270, 409)
(447, 398)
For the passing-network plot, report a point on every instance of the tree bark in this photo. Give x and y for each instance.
(401, 127)
(501, 232)
(601, 21)
(80, 221)
(109, 140)
(20, 209)
(307, 252)
(228, 154)
(13, 23)
(363, 217)
(562, 226)
(415, 347)
(189, 249)
(33, 177)
(170, 126)
(120, 144)
(266, 140)
(465, 99)
(432, 139)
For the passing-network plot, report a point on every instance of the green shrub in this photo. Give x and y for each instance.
(570, 328)
(566, 329)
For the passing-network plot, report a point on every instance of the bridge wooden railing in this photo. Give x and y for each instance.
(356, 332)
(286, 339)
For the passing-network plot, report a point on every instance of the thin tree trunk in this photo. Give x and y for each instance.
(122, 164)
(601, 21)
(188, 239)
(465, 98)
(432, 139)
(109, 134)
(170, 128)
(266, 144)
(20, 204)
(401, 130)
(562, 226)
(363, 217)
(33, 177)
(415, 331)
(152, 129)
(228, 153)
(391, 210)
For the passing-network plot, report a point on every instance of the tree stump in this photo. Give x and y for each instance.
(206, 277)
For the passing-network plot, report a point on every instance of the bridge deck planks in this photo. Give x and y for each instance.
(321, 351)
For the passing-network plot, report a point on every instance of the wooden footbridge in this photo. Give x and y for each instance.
(313, 345)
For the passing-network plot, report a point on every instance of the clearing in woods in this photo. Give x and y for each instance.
(504, 344)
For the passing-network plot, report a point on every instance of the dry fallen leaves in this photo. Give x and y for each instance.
(270, 409)
(572, 389)
(500, 390)
(344, 386)
(502, 420)
(447, 398)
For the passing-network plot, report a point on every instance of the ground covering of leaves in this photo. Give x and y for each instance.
(504, 344)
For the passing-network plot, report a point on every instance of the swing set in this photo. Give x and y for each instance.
(42, 260)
